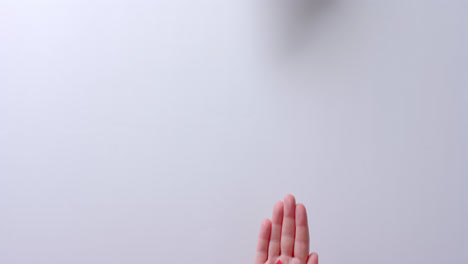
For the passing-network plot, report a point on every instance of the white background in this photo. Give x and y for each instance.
(164, 131)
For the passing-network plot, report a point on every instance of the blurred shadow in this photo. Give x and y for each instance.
(289, 24)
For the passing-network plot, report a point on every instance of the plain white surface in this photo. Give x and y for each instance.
(164, 131)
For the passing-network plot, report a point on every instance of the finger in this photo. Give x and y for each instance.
(262, 245)
(301, 242)
(275, 238)
(288, 229)
(313, 259)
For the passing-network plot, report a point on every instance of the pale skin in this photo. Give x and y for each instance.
(286, 236)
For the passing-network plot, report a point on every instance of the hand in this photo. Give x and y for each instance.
(286, 236)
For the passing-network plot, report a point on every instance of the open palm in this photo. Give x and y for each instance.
(286, 237)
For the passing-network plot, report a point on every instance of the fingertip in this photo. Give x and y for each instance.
(265, 229)
(289, 206)
(301, 215)
(289, 198)
(313, 258)
(266, 222)
(278, 210)
(279, 205)
(300, 207)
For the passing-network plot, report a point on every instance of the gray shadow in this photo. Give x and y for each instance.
(290, 24)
